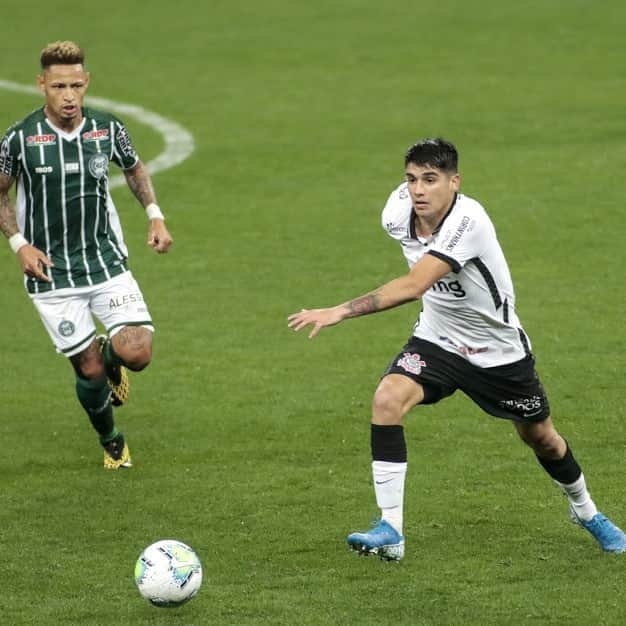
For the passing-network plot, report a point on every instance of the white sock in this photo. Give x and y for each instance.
(389, 487)
(579, 498)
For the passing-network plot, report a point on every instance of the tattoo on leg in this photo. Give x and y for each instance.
(133, 337)
(83, 361)
(133, 345)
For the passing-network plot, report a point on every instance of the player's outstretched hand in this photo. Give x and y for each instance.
(33, 262)
(319, 318)
(159, 238)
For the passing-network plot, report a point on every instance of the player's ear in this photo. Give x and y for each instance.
(41, 82)
(87, 77)
(455, 182)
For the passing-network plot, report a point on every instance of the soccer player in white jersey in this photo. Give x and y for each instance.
(467, 337)
(66, 234)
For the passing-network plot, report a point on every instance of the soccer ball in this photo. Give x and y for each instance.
(168, 573)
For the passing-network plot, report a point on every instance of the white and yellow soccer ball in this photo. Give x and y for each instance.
(168, 573)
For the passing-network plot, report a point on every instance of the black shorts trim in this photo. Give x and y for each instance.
(511, 391)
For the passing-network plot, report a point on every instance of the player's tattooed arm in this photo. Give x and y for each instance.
(384, 297)
(140, 183)
(364, 305)
(8, 220)
(407, 288)
(33, 261)
(392, 294)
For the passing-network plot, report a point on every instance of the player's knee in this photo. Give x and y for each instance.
(548, 447)
(88, 363)
(140, 358)
(386, 407)
(91, 369)
(133, 345)
(546, 442)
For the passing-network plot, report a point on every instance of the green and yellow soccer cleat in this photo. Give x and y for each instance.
(117, 377)
(120, 385)
(116, 454)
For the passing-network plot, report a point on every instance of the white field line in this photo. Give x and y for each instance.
(178, 141)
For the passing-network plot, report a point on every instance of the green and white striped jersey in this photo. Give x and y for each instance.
(63, 205)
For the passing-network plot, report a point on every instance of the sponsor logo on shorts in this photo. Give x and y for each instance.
(527, 407)
(96, 135)
(98, 165)
(41, 140)
(125, 300)
(66, 328)
(467, 350)
(72, 168)
(412, 363)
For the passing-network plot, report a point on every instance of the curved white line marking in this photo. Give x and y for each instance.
(179, 142)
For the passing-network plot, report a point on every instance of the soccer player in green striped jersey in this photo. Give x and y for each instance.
(66, 233)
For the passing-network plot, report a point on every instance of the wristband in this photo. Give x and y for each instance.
(154, 212)
(17, 241)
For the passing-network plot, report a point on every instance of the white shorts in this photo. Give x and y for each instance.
(68, 314)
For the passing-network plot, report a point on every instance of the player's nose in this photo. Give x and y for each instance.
(418, 188)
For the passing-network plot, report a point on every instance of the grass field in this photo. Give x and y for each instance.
(251, 443)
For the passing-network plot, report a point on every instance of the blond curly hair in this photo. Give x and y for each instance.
(61, 53)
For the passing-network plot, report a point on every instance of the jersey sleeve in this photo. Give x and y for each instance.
(463, 238)
(9, 155)
(124, 153)
(396, 214)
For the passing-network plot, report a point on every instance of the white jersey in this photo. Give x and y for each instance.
(471, 310)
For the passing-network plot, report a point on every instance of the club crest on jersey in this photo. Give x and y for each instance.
(66, 328)
(98, 165)
(412, 363)
(96, 135)
(41, 140)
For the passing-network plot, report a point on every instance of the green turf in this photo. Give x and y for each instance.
(251, 443)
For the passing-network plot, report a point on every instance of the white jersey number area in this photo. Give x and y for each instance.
(471, 310)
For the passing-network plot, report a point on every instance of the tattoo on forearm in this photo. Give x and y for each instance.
(369, 303)
(8, 221)
(140, 184)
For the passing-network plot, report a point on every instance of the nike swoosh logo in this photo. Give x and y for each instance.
(382, 482)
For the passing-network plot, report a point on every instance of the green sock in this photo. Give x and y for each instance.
(110, 356)
(95, 398)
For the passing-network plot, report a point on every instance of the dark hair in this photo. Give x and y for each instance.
(437, 153)
(62, 53)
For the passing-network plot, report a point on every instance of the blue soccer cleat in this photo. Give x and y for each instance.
(604, 531)
(382, 539)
